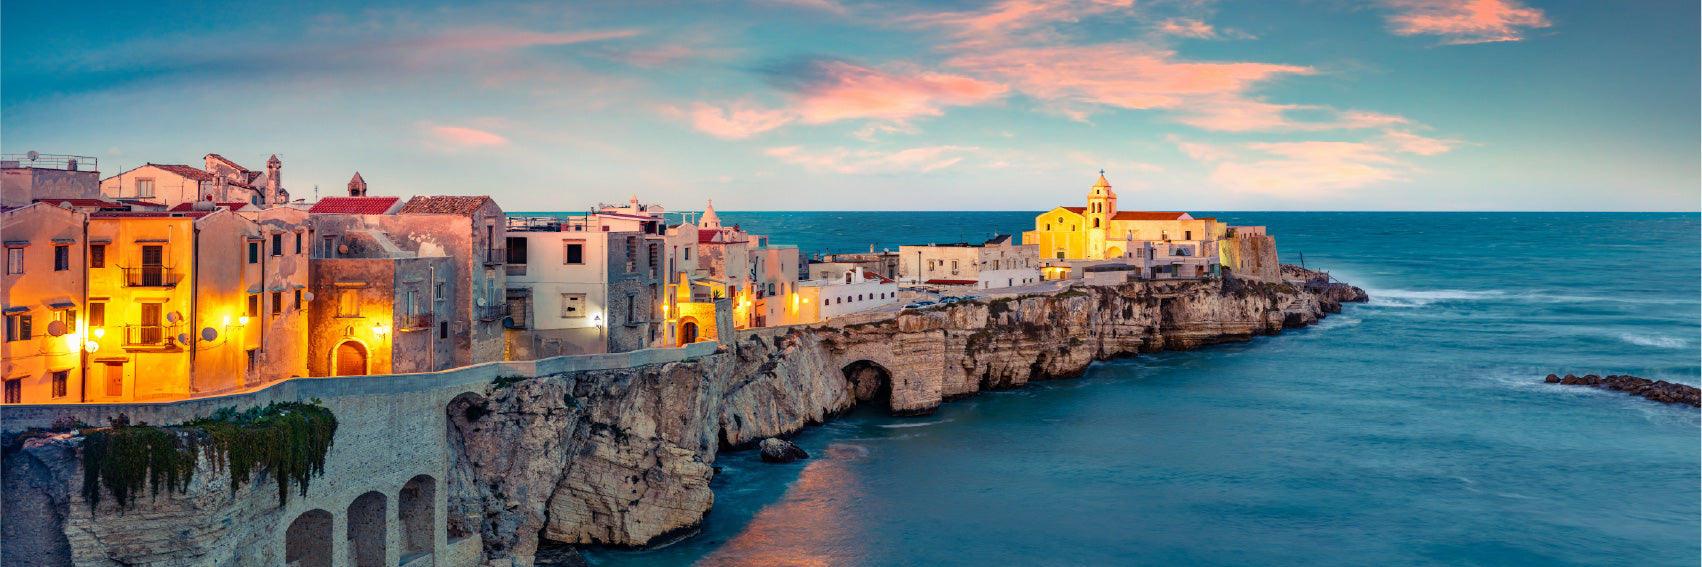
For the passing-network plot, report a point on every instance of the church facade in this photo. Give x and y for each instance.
(1099, 231)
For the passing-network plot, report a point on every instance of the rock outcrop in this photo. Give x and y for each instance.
(776, 450)
(1657, 390)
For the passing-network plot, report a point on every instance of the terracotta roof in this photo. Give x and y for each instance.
(354, 205)
(141, 202)
(1146, 215)
(151, 214)
(240, 184)
(86, 203)
(444, 205)
(876, 277)
(1075, 209)
(227, 162)
(953, 282)
(706, 235)
(186, 171)
(191, 206)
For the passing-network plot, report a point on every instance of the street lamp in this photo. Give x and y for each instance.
(597, 321)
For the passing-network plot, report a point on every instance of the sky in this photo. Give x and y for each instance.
(843, 105)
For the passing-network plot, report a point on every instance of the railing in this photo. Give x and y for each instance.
(151, 276)
(422, 321)
(146, 335)
(496, 255)
(52, 161)
(493, 312)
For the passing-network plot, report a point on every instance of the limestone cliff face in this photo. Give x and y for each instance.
(627, 461)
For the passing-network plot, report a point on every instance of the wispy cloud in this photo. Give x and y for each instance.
(825, 91)
(857, 162)
(1186, 27)
(461, 137)
(1465, 21)
(1312, 170)
(829, 6)
(1003, 19)
(738, 120)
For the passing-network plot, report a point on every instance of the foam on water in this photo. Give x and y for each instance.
(1660, 341)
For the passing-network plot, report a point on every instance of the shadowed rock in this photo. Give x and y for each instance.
(1657, 390)
(780, 451)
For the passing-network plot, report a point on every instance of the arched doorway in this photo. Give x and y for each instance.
(1114, 252)
(367, 532)
(688, 331)
(416, 508)
(307, 542)
(868, 382)
(349, 359)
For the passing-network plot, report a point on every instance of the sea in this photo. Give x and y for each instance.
(1412, 430)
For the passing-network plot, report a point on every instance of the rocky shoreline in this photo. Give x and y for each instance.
(1657, 390)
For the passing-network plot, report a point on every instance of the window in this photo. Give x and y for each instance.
(97, 256)
(631, 309)
(298, 300)
(97, 314)
(61, 258)
(298, 243)
(15, 391)
(67, 318)
(655, 263)
(14, 260)
(439, 291)
(253, 360)
(330, 250)
(348, 303)
(1095, 223)
(573, 305)
(516, 250)
(60, 379)
(254, 305)
(412, 306)
(277, 245)
(443, 329)
(17, 328)
(144, 187)
(254, 252)
(1187, 235)
(1048, 226)
(277, 302)
(631, 254)
(688, 253)
(573, 252)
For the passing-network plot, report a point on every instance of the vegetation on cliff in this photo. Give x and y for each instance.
(287, 440)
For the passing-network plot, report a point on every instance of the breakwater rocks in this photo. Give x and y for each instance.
(1657, 390)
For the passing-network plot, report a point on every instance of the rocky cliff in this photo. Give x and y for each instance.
(623, 458)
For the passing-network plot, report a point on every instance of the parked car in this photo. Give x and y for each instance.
(950, 299)
(913, 306)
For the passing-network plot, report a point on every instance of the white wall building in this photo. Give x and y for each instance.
(996, 263)
(848, 292)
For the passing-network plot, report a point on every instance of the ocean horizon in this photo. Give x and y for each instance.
(1412, 430)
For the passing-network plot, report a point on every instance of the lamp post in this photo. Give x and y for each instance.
(597, 321)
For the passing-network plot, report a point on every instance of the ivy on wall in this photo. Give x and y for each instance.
(287, 440)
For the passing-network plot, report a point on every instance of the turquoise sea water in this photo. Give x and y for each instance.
(1414, 430)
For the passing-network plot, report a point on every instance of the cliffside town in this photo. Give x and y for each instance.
(619, 456)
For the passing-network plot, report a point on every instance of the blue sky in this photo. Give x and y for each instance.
(841, 105)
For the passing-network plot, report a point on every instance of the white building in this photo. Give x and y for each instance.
(848, 292)
(996, 263)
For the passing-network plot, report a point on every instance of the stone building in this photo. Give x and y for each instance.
(996, 263)
(586, 283)
(220, 180)
(44, 294)
(27, 178)
(471, 230)
(1155, 245)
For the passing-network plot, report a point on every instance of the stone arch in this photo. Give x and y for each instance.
(689, 330)
(307, 542)
(367, 530)
(868, 381)
(416, 511)
(350, 358)
(1114, 252)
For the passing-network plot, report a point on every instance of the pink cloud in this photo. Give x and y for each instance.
(503, 38)
(1010, 16)
(1235, 114)
(1309, 170)
(856, 162)
(1465, 21)
(845, 91)
(1408, 142)
(1122, 75)
(1185, 27)
(738, 121)
(466, 137)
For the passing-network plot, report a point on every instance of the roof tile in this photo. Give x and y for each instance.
(353, 205)
(444, 205)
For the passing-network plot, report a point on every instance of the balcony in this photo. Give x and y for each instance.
(496, 255)
(422, 321)
(147, 336)
(151, 276)
(493, 312)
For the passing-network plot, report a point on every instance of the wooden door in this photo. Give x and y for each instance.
(351, 359)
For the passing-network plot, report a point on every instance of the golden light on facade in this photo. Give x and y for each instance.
(379, 328)
(242, 321)
(100, 333)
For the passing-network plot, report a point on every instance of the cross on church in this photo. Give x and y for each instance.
(1102, 173)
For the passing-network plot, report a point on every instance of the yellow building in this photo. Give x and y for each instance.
(42, 293)
(1099, 231)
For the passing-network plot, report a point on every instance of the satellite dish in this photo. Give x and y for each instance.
(56, 328)
(307, 296)
(481, 302)
(342, 249)
(183, 338)
(34, 155)
(209, 334)
(173, 317)
(91, 346)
